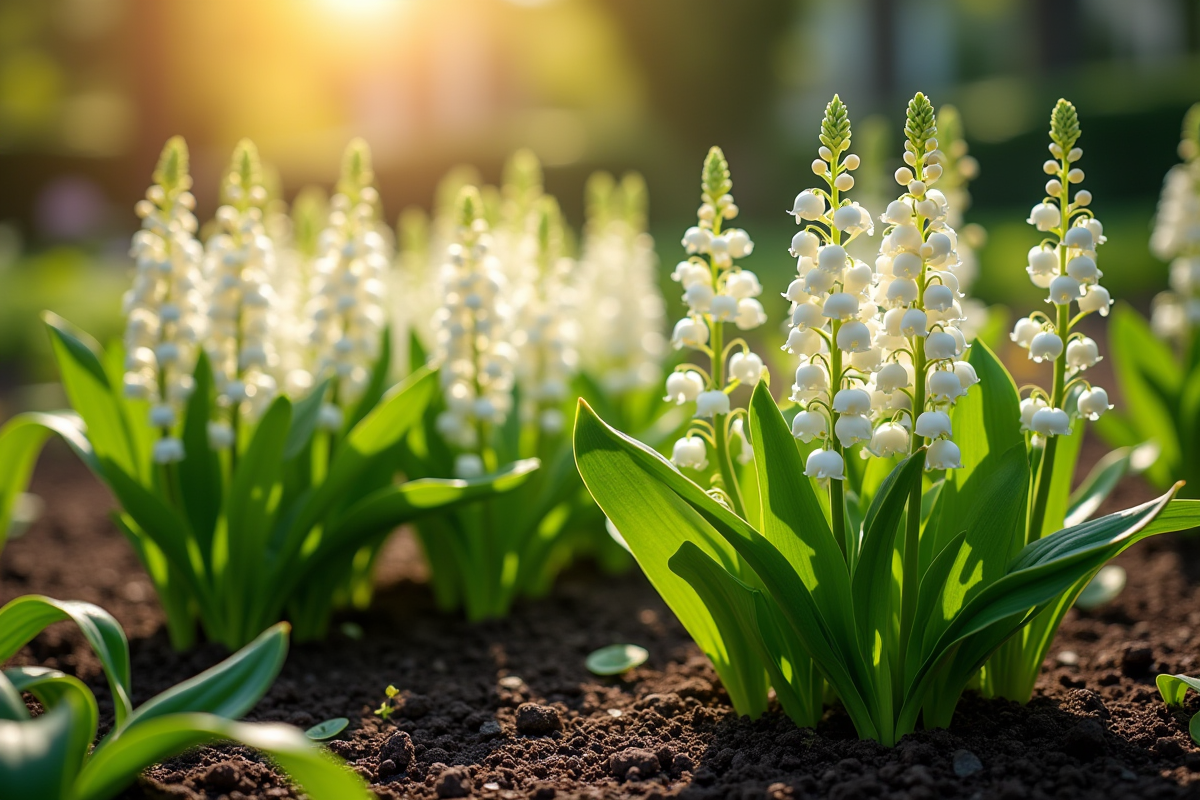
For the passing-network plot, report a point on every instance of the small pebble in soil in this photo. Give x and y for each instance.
(490, 728)
(535, 720)
(1068, 658)
(223, 777)
(453, 782)
(625, 764)
(966, 763)
(511, 682)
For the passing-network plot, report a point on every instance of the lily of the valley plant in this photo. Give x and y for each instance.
(51, 757)
(955, 564)
(246, 428)
(1157, 366)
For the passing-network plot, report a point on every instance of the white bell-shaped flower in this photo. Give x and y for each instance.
(823, 464)
(712, 402)
(902, 292)
(724, 308)
(940, 345)
(1079, 237)
(1051, 422)
(684, 387)
(689, 332)
(852, 401)
(966, 374)
(819, 281)
(804, 342)
(808, 315)
(1043, 261)
(688, 273)
(1024, 331)
(1046, 346)
(899, 212)
(891, 377)
(699, 297)
(943, 454)
(808, 205)
(167, 450)
(1093, 402)
(944, 386)
(1045, 217)
(738, 243)
(750, 314)
(939, 297)
(690, 452)
(811, 380)
(858, 278)
(851, 429)
(854, 337)
(1029, 407)
(468, 465)
(1082, 353)
(805, 244)
(914, 323)
(888, 440)
(746, 368)
(906, 265)
(809, 425)
(840, 306)
(742, 284)
(933, 424)
(697, 240)
(1064, 289)
(1095, 299)
(832, 258)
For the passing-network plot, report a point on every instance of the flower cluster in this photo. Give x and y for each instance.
(348, 287)
(717, 292)
(240, 268)
(1176, 238)
(165, 306)
(621, 342)
(1064, 263)
(921, 340)
(477, 361)
(834, 317)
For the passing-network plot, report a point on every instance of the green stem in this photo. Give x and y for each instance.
(720, 435)
(837, 499)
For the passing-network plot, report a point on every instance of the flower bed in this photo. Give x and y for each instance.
(1096, 726)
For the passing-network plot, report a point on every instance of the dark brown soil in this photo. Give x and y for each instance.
(1095, 729)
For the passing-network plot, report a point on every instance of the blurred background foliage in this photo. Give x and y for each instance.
(90, 89)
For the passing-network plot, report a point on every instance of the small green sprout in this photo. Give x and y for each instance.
(616, 658)
(390, 704)
(327, 729)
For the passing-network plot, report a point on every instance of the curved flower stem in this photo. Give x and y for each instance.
(1045, 473)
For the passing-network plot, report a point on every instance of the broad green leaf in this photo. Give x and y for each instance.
(229, 689)
(1105, 476)
(40, 758)
(1066, 456)
(625, 476)
(25, 617)
(200, 481)
(117, 765)
(91, 395)
(387, 424)
(731, 602)
(873, 582)
(54, 689)
(616, 658)
(12, 705)
(654, 522)
(305, 416)
(1173, 688)
(792, 519)
(1103, 588)
(21, 441)
(1150, 385)
(373, 392)
(1179, 515)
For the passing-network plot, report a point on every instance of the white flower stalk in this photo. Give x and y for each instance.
(296, 242)
(165, 305)
(349, 284)
(1176, 238)
(718, 294)
(919, 286)
(959, 168)
(1064, 263)
(472, 326)
(621, 341)
(834, 318)
(240, 268)
(545, 331)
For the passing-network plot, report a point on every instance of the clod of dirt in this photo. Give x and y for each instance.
(454, 782)
(395, 755)
(1085, 739)
(623, 764)
(1137, 660)
(535, 720)
(223, 777)
(490, 728)
(966, 763)
(667, 704)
